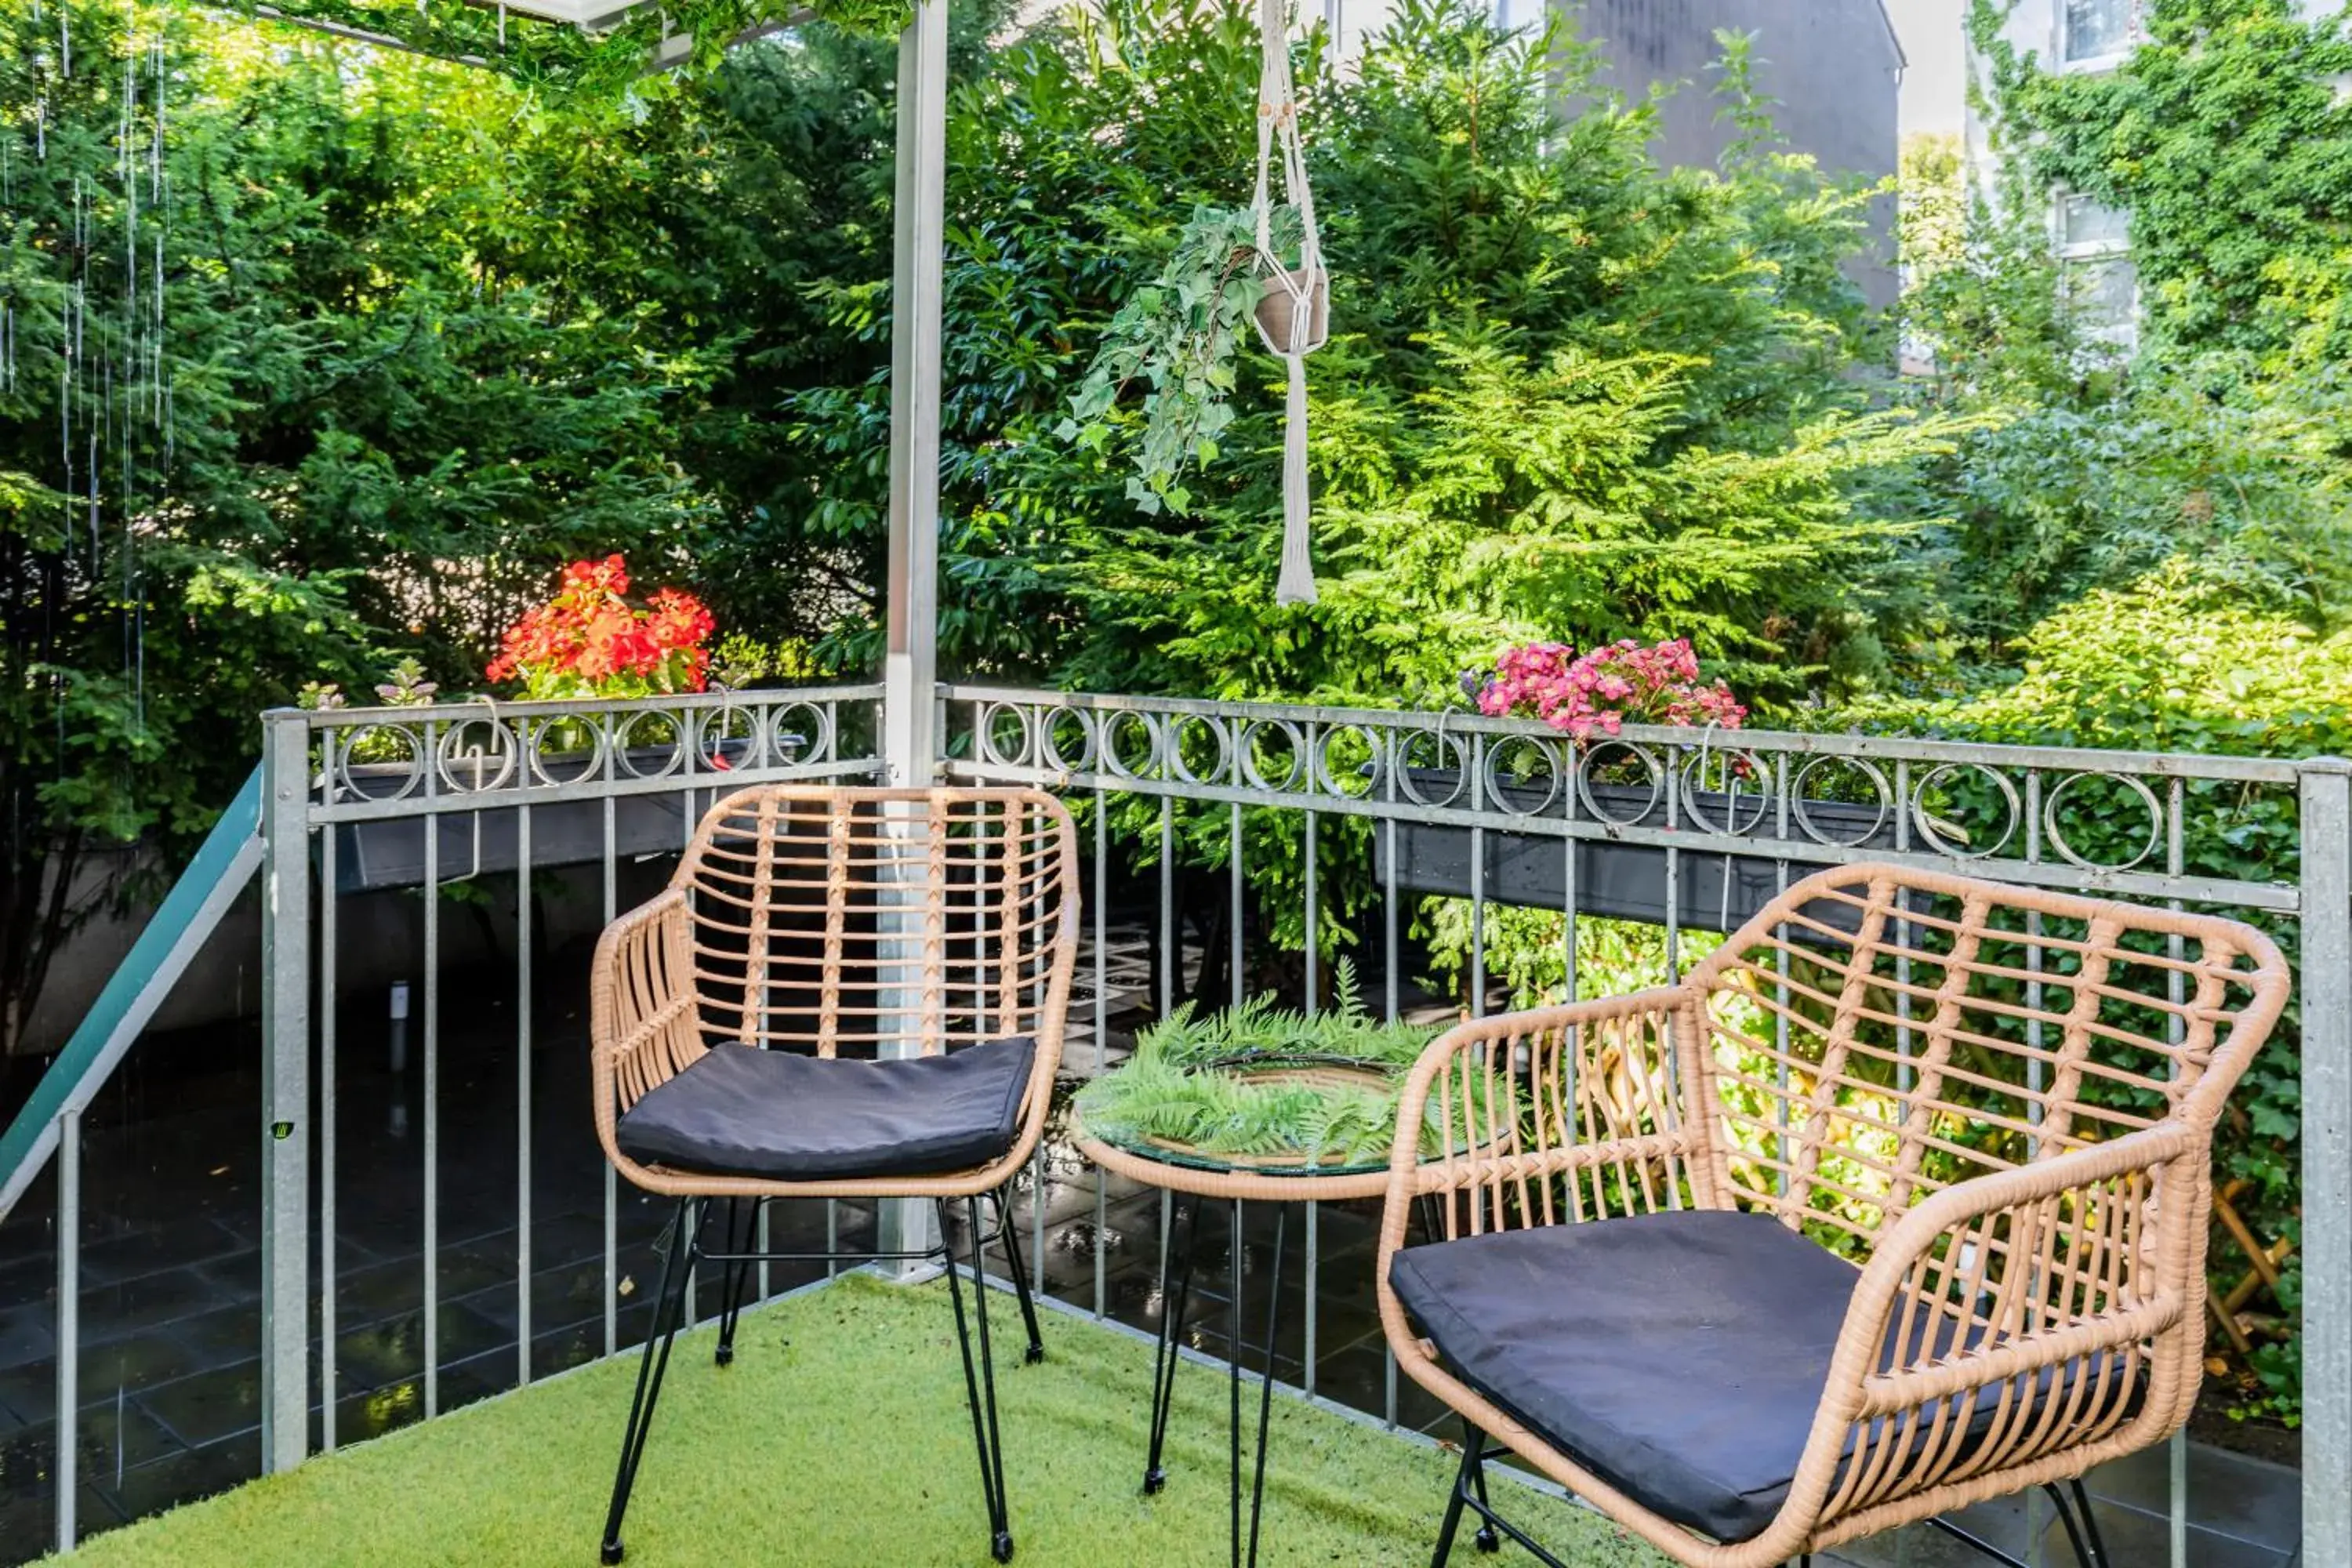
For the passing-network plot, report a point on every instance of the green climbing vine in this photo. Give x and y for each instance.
(2227, 137)
(578, 65)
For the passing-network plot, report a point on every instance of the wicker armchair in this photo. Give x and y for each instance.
(843, 992)
(1906, 1189)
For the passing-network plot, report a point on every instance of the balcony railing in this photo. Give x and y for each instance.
(1220, 835)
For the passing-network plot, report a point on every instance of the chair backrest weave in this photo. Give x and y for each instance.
(870, 921)
(1879, 1034)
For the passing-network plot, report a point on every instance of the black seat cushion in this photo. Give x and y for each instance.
(1678, 1356)
(740, 1112)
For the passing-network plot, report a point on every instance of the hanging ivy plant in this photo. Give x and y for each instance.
(582, 67)
(1181, 335)
(525, 47)
(1260, 1084)
(715, 25)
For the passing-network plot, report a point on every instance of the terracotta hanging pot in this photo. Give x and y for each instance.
(1306, 313)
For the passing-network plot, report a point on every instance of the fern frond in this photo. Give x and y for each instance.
(1186, 1083)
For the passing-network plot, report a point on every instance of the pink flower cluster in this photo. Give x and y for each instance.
(1604, 688)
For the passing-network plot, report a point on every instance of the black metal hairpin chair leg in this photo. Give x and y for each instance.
(2099, 1558)
(1470, 1493)
(1485, 1540)
(1473, 1443)
(737, 1281)
(1265, 1382)
(2081, 1529)
(1019, 1269)
(1175, 1285)
(669, 1313)
(980, 1386)
(2073, 1512)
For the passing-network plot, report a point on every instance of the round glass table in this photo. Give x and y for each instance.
(1195, 1178)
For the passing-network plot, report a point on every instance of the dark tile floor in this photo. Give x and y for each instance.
(170, 1278)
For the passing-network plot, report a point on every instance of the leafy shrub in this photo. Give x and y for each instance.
(2183, 661)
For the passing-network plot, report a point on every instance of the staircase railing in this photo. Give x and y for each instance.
(179, 928)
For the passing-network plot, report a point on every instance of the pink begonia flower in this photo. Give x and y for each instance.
(1605, 689)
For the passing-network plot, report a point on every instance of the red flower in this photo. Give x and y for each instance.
(589, 636)
(679, 620)
(610, 575)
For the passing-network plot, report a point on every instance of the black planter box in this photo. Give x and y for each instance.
(389, 853)
(1621, 881)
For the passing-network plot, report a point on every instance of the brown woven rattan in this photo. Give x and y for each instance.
(1230, 1177)
(1998, 1102)
(844, 922)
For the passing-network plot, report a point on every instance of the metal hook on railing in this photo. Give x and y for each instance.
(476, 755)
(1706, 743)
(1730, 814)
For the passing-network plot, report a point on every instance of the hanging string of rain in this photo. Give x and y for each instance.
(83, 308)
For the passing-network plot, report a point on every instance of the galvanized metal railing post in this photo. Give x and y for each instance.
(69, 1425)
(286, 1089)
(2326, 909)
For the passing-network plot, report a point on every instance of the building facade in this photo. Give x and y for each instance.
(2093, 241)
(1833, 67)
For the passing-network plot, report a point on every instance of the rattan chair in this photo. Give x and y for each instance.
(843, 993)
(1898, 1204)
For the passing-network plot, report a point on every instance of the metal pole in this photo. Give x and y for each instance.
(612, 1178)
(1102, 1039)
(328, 983)
(2326, 908)
(429, 1092)
(286, 1090)
(910, 662)
(69, 1426)
(523, 1094)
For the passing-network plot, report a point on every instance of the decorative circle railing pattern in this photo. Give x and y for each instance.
(2055, 817)
(467, 756)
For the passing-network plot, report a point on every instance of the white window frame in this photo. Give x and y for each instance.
(2091, 65)
(2073, 253)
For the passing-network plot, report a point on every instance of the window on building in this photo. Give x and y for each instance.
(2086, 225)
(2094, 30)
(2102, 284)
(2105, 299)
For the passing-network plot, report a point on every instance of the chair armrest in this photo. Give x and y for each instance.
(1499, 1110)
(642, 1023)
(2015, 1317)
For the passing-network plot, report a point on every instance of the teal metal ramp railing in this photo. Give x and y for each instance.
(187, 917)
(50, 1122)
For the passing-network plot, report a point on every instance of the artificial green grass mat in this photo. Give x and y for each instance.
(840, 1435)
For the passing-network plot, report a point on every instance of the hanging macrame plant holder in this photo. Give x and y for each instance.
(1294, 317)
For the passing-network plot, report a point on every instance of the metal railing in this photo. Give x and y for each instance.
(413, 803)
(1713, 805)
(1356, 814)
(334, 775)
